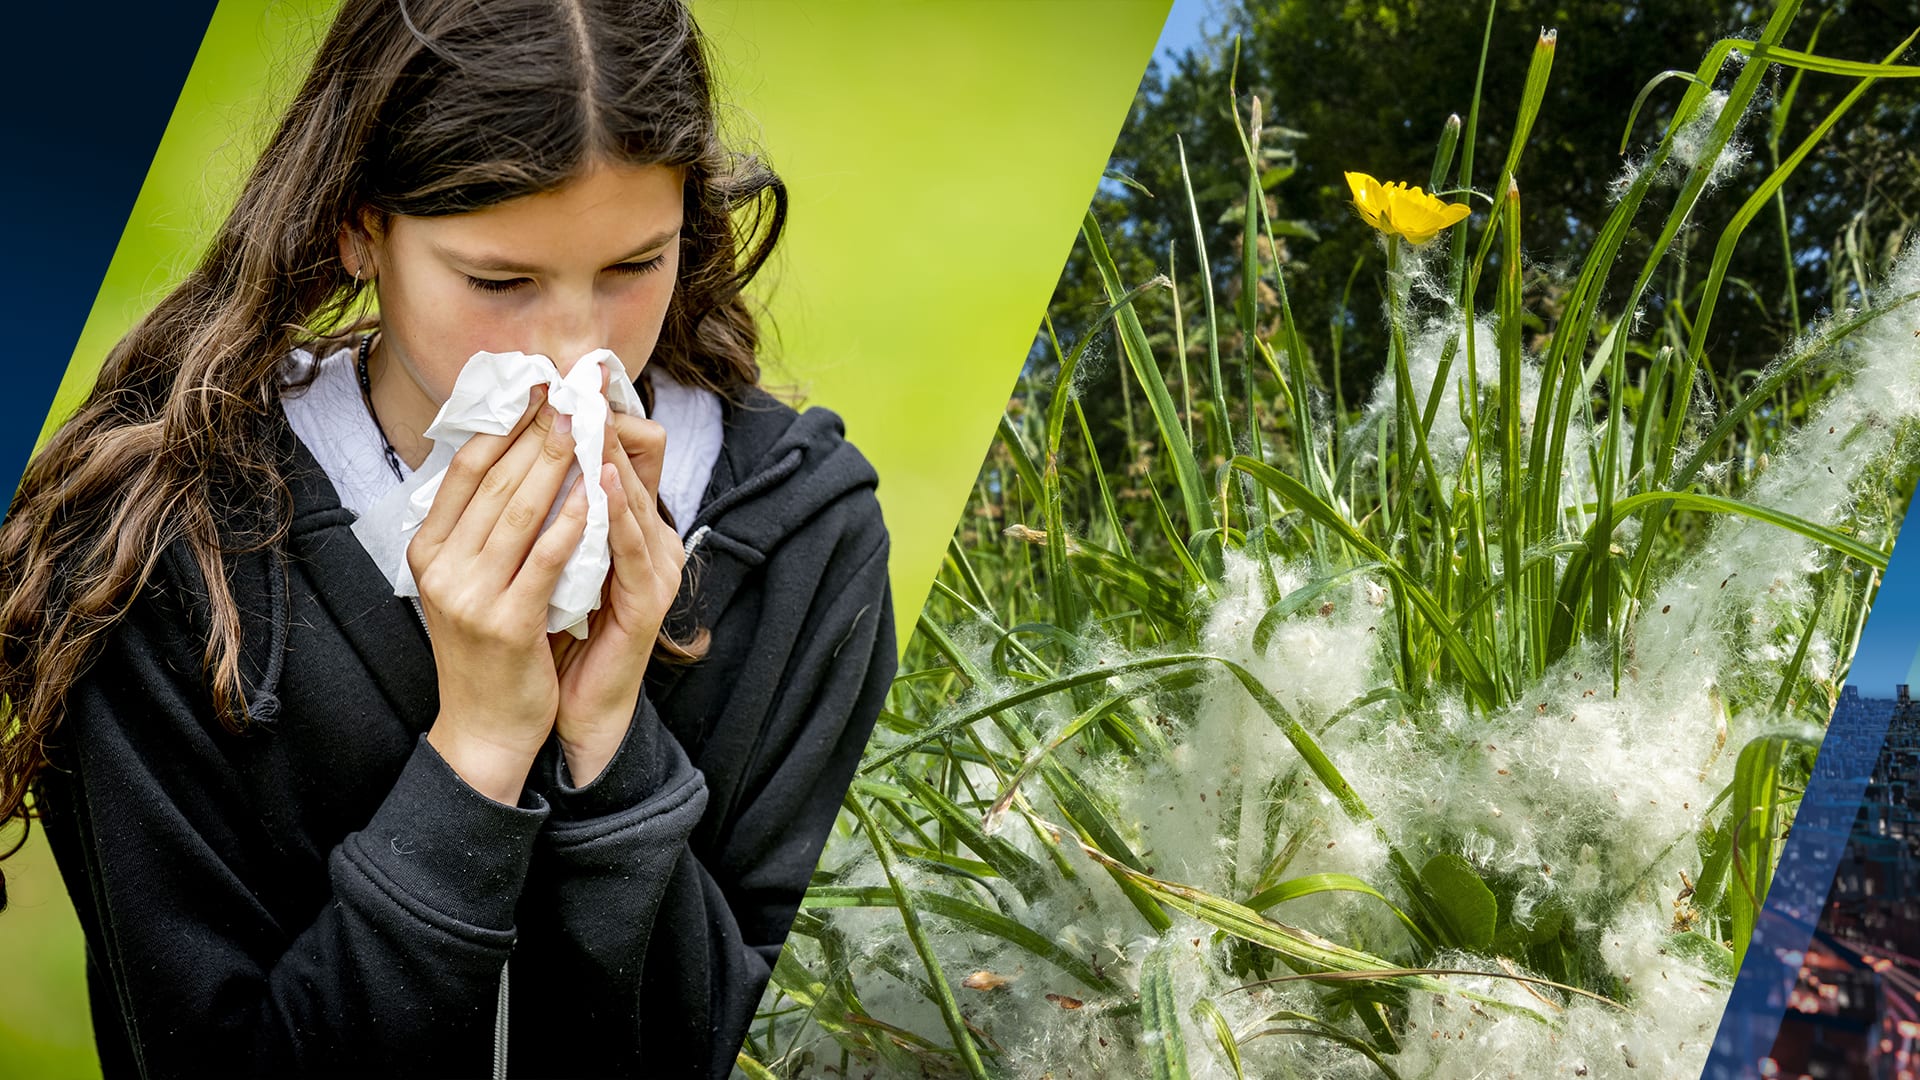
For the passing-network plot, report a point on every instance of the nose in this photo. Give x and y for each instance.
(574, 326)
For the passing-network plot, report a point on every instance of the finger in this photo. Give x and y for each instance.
(645, 441)
(468, 469)
(635, 491)
(645, 501)
(646, 508)
(518, 524)
(540, 571)
(636, 563)
(490, 496)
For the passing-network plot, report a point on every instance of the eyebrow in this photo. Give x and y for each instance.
(503, 265)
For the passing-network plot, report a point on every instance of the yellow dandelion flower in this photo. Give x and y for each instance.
(1400, 210)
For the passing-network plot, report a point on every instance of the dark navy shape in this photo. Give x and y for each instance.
(89, 89)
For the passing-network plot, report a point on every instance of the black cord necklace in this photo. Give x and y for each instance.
(366, 394)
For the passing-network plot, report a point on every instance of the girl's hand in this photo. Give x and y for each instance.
(600, 677)
(486, 571)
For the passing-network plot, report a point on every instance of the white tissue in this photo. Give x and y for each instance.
(489, 397)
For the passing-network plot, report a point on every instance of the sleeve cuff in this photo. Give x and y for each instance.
(450, 847)
(630, 777)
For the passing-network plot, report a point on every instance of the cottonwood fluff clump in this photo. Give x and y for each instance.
(1581, 805)
(1690, 144)
(1688, 148)
(1448, 440)
(1583, 802)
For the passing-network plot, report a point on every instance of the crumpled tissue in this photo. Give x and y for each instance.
(489, 397)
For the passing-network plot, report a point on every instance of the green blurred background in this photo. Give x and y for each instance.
(939, 156)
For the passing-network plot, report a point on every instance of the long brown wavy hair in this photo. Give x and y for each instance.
(422, 108)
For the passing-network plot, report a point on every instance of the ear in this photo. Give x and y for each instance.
(359, 248)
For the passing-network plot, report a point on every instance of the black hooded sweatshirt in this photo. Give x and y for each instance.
(322, 894)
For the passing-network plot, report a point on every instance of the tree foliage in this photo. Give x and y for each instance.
(1367, 86)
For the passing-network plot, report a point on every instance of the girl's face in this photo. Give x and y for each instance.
(589, 265)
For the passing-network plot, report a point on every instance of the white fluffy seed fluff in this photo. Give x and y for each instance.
(1690, 143)
(1584, 796)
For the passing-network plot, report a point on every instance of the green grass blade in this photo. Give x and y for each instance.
(1473, 674)
(1755, 821)
(1173, 437)
(1156, 593)
(974, 916)
(1723, 251)
(1166, 1047)
(1322, 958)
(1776, 379)
(1206, 1012)
(1827, 65)
(1107, 505)
(1219, 432)
(1023, 462)
(1074, 727)
(1311, 884)
(1006, 860)
(1320, 1029)
(752, 1069)
(1284, 608)
(1469, 137)
(910, 920)
(1640, 99)
(1820, 534)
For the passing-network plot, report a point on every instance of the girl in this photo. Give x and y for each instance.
(305, 825)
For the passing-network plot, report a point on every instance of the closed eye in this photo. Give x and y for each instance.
(505, 285)
(494, 285)
(646, 267)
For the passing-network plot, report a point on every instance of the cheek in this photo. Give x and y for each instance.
(473, 321)
(639, 310)
(442, 323)
(466, 320)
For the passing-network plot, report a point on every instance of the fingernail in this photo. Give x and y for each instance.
(610, 476)
(563, 423)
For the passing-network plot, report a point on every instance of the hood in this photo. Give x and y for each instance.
(777, 468)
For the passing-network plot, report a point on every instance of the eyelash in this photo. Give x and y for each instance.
(637, 268)
(631, 269)
(492, 286)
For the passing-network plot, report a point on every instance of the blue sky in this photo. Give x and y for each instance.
(1889, 645)
(1183, 27)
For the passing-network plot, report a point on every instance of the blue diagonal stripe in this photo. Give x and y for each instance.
(1818, 839)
